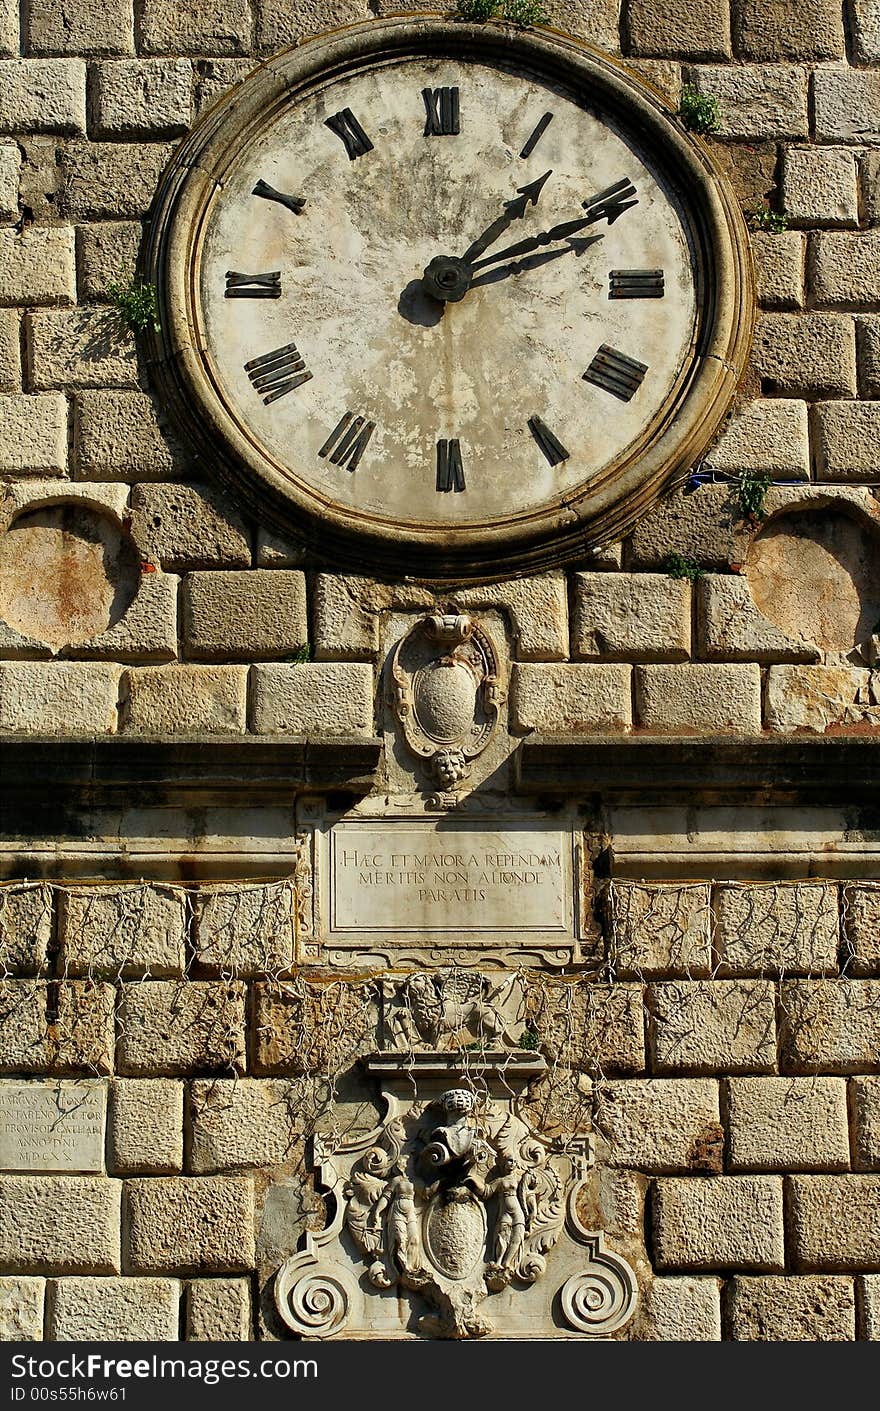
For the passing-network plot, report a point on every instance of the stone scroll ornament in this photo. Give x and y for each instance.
(455, 1219)
(446, 693)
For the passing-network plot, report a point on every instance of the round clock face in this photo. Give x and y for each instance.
(447, 298)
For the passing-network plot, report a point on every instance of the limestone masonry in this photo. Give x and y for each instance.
(581, 868)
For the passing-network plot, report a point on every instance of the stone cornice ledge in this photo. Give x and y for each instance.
(730, 769)
(225, 770)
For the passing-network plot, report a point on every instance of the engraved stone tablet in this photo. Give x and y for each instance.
(56, 1126)
(404, 883)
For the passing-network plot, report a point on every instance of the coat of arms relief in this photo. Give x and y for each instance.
(454, 1217)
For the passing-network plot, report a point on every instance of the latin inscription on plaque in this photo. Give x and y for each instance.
(414, 877)
(52, 1126)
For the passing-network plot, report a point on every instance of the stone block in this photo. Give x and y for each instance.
(146, 1126)
(834, 1222)
(845, 268)
(59, 1224)
(190, 1224)
(706, 525)
(169, 1027)
(40, 175)
(106, 253)
(346, 621)
(847, 438)
(149, 97)
(660, 1125)
(775, 29)
(186, 700)
(214, 77)
(109, 180)
(146, 632)
(316, 698)
(9, 29)
(203, 27)
(815, 697)
(279, 550)
(120, 436)
(659, 930)
(787, 1124)
(218, 1310)
(865, 19)
(731, 628)
(115, 1310)
(805, 355)
(779, 269)
(239, 1124)
(279, 23)
(713, 1026)
(765, 101)
(819, 186)
(84, 347)
(865, 1106)
(43, 95)
(731, 1222)
(846, 103)
(697, 31)
(869, 355)
(37, 265)
(25, 927)
(598, 23)
(92, 27)
(698, 699)
(245, 928)
(301, 1028)
(662, 74)
(67, 1028)
(679, 1310)
(10, 351)
(189, 526)
(861, 929)
(253, 614)
(869, 181)
(563, 698)
(537, 608)
(798, 1308)
(631, 617)
(125, 929)
(764, 437)
(830, 1025)
(58, 698)
(33, 435)
(21, 1308)
(869, 1286)
(594, 1028)
(775, 929)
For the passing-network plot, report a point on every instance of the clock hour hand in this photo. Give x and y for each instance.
(514, 209)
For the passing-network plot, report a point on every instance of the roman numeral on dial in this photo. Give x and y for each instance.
(346, 126)
(540, 128)
(275, 374)
(348, 440)
(635, 284)
(612, 202)
(442, 118)
(253, 286)
(450, 471)
(553, 449)
(268, 193)
(616, 373)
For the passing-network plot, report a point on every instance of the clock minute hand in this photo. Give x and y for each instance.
(534, 242)
(514, 209)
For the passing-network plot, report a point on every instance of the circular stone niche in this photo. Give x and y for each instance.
(816, 575)
(67, 572)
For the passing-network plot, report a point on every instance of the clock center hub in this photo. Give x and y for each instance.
(447, 278)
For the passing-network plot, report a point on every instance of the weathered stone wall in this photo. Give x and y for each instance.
(725, 1044)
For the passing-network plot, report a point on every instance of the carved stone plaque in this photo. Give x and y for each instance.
(56, 1126)
(477, 889)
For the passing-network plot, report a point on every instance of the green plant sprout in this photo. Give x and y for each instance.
(751, 491)
(762, 218)
(300, 654)
(476, 10)
(137, 305)
(682, 566)
(699, 111)
(523, 12)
